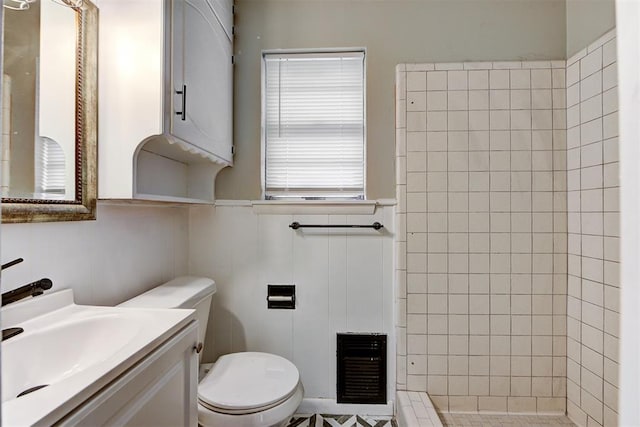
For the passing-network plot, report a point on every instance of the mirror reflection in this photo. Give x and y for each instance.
(39, 100)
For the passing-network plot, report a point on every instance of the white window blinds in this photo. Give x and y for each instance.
(50, 166)
(313, 125)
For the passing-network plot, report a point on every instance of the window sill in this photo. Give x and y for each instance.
(310, 207)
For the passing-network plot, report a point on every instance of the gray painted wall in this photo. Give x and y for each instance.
(586, 21)
(393, 31)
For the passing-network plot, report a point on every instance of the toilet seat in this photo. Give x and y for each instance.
(275, 416)
(243, 411)
(249, 382)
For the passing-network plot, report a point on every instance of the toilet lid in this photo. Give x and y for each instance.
(245, 381)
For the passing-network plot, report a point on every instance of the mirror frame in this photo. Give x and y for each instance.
(84, 206)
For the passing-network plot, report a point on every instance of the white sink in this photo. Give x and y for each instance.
(53, 353)
(74, 351)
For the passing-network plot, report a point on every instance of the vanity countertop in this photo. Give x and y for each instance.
(75, 350)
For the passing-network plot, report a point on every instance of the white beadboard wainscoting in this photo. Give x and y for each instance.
(126, 251)
(343, 278)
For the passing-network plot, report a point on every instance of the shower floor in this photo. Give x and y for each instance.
(485, 420)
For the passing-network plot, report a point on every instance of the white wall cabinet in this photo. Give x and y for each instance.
(201, 76)
(158, 141)
(160, 390)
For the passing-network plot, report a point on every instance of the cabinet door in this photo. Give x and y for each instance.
(202, 75)
(160, 390)
(224, 11)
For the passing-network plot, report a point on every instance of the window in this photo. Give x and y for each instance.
(49, 167)
(313, 125)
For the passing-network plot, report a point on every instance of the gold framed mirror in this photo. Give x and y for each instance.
(58, 180)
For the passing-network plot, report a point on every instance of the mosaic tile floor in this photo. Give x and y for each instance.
(479, 420)
(318, 420)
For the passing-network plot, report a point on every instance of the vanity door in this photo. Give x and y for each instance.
(202, 74)
(161, 390)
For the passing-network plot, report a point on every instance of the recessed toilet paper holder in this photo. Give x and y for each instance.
(281, 296)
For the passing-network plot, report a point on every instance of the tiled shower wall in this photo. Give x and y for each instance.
(482, 238)
(593, 205)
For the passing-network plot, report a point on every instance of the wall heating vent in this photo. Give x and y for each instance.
(362, 368)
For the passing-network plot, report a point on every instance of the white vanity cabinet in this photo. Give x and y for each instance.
(202, 75)
(165, 104)
(160, 390)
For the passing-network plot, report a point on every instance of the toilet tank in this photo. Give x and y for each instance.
(181, 292)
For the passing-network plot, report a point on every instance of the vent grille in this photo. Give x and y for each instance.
(362, 368)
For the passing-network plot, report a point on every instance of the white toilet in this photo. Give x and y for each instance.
(247, 389)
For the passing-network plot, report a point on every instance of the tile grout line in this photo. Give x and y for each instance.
(579, 207)
(510, 272)
(447, 305)
(489, 230)
(426, 136)
(531, 247)
(468, 248)
(600, 49)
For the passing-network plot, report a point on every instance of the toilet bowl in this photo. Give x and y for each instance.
(248, 389)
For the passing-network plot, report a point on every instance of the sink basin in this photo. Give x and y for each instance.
(68, 352)
(52, 354)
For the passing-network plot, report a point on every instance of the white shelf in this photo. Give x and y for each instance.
(183, 177)
(312, 207)
(171, 199)
(176, 149)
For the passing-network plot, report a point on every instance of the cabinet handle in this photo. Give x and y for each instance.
(198, 347)
(183, 113)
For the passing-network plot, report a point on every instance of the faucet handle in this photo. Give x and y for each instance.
(40, 286)
(45, 283)
(11, 263)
